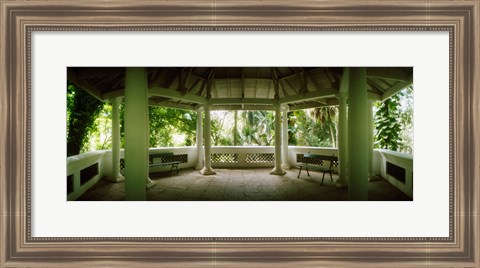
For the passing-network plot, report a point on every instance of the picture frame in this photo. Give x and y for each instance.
(20, 18)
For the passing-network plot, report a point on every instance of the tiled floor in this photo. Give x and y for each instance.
(243, 185)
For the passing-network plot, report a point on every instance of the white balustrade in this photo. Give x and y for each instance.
(83, 171)
(401, 161)
(97, 164)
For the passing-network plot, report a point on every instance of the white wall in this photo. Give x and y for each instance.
(75, 164)
(402, 160)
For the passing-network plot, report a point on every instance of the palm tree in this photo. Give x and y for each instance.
(327, 116)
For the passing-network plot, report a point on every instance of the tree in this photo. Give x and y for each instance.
(387, 124)
(327, 116)
(82, 109)
(164, 123)
(258, 128)
(406, 120)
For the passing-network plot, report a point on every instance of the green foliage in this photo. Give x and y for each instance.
(305, 131)
(100, 137)
(82, 109)
(326, 116)
(406, 120)
(394, 122)
(387, 124)
(168, 127)
(258, 128)
(89, 125)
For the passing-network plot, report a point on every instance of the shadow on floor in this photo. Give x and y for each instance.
(242, 185)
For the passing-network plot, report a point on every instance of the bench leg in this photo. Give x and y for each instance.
(174, 165)
(331, 176)
(323, 177)
(307, 171)
(299, 172)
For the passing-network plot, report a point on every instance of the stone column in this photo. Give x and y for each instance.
(342, 129)
(200, 155)
(371, 127)
(207, 169)
(136, 133)
(277, 170)
(358, 135)
(285, 164)
(116, 176)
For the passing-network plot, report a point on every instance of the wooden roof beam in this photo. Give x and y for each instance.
(173, 94)
(72, 76)
(113, 94)
(89, 72)
(242, 101)
(308, 96)
(396, 88)
(172, 105)
(392, 73)
(242, 107)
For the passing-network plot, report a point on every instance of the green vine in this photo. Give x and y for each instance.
(387, 125)
(82, 109)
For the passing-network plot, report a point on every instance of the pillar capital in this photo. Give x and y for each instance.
(342, 95)
(115, 100)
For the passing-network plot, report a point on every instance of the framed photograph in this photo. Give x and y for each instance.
(46, 45)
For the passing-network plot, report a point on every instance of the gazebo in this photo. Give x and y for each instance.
(280, 89)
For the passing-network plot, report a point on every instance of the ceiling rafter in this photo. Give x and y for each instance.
(280, 86)
(397, 87)
(173, 94)
(302, 76)
(308, 96)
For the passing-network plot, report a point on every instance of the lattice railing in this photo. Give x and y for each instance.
(183, 158)
(260, 157)
(224, 158)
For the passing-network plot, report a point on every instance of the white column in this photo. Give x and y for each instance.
(358, 135)
(116, 176)
(342, 129)
(136, 133)
(200, 155)
(371, 127)
(207, 169)
(285, 164)
(277, 170)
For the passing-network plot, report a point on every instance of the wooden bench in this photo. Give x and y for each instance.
(162, 157)
(310, 160)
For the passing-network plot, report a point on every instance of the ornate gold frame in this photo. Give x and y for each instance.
(19, 18)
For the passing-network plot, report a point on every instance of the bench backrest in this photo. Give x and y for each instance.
(162, 156)
(311, 158)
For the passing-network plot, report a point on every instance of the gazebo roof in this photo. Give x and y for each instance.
(239, 88)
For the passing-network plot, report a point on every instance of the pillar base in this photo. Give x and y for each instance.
(199, 166)
(277, 171)
(118, 178)
(374, 178)
(286, 166)
(207, 171)
(150, 183)
(341, 183)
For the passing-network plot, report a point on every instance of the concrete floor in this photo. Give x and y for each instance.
(242, 185)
